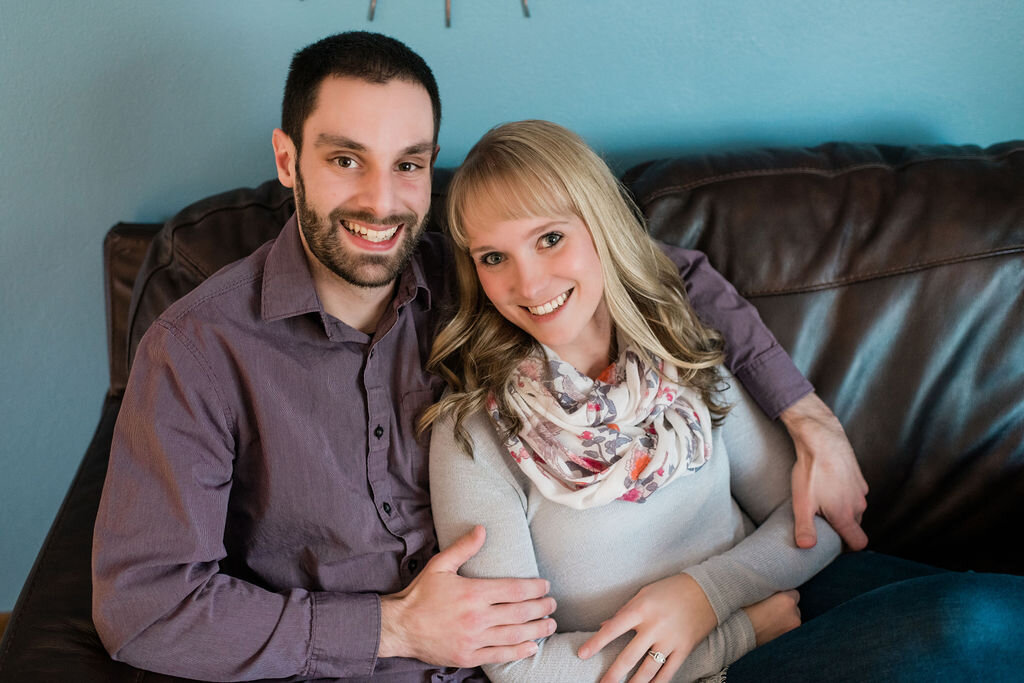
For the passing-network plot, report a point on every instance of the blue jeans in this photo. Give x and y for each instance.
(871, 617)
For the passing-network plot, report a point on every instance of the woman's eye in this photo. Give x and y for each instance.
(551, 239)
(491, 259)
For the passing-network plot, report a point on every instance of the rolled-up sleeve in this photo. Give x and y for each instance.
(752, 352)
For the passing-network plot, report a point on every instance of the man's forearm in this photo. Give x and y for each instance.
(752, 352)
(231, 630)
(826, 477)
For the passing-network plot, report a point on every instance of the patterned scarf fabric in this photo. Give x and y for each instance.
(587, 442)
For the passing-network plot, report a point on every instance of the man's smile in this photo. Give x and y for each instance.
(370, 234)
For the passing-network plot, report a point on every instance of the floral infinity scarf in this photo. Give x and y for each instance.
(623, 436)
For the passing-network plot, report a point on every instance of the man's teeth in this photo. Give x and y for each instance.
(370, 235)
(549, 306)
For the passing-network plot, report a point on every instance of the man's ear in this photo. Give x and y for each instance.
(285, 156)
(433, 158)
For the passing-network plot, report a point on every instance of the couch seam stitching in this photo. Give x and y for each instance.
(825, 172)
(879, 274)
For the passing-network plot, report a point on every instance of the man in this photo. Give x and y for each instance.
(266, 510)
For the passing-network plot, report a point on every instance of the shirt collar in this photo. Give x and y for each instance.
(413, 281)
(288, 288)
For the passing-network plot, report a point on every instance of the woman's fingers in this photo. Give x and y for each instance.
(651, 669)
(609, 631)
(630, 657)
(666, 672)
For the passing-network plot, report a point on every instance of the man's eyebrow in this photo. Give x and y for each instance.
(329, 140)
(421, 148)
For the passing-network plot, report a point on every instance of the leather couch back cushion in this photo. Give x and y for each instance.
(895, 278)
(893, 275)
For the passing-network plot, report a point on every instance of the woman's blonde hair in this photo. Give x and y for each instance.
(532, 169)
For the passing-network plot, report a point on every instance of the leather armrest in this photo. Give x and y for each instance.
(50, 636)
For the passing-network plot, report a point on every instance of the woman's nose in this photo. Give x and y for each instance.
(530, 280)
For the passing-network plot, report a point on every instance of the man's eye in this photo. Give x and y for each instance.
(491, 259)
(408, 167)
(551, 239)
(345, 162)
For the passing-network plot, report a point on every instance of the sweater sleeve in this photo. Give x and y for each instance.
(481, 489)
(768, 560)
(160, 600)
(752, 352)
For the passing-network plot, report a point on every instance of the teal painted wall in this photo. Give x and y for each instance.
(124, 110)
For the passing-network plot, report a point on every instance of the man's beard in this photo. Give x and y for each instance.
(361, 270)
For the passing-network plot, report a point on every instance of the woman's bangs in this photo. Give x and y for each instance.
(516, 194)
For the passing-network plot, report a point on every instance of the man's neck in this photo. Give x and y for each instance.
(358, 307)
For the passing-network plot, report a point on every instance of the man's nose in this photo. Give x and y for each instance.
(377, 193)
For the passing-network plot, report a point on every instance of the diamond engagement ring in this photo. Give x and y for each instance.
(656, 656)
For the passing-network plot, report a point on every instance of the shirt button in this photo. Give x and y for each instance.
(387, 508)
(413, 565)
(378, 432)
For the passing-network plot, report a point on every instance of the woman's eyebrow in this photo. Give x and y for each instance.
(539, 229)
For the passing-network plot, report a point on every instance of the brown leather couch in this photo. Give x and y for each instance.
(893, 275)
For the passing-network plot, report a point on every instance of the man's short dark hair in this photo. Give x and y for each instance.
(371, 57)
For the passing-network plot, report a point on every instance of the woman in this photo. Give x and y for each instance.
(579, 430)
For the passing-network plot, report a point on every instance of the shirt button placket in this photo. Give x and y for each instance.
(376, 406)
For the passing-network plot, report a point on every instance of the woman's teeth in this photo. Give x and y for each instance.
(549, 306)
(370, 235)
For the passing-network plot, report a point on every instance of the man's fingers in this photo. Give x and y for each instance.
(456, 555)
(500, 636)
(500, 591)
(803, 516)
(609, 631)
(500, 655)
(522, 612)
(851, 533)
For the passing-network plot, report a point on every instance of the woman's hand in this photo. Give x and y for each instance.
(670, 616)
(774, 616)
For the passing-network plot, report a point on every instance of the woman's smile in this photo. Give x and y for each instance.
(547, 309)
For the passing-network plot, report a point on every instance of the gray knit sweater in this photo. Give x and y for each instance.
(729, 526)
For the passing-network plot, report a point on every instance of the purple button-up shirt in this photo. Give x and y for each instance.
(266, 481)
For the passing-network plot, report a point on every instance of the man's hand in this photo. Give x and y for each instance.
(670, 616)
(826, 477)
(448, 620)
